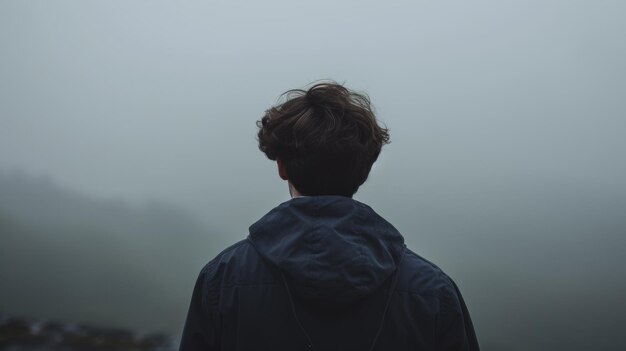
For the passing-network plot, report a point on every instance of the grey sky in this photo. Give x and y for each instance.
(158, 99)
(499, 111)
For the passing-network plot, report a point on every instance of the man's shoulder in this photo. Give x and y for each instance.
(419, 276)
(232, 253)
(238, 264)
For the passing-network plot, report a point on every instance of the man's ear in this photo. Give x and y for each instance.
(281, 169)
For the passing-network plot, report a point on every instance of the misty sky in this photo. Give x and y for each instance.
(158, 99)
(501, 113)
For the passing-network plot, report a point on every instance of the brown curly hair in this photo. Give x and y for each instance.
(327, 137)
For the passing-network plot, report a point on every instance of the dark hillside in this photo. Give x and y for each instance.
(69, 257)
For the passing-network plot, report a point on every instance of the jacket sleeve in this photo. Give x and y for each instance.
(455, 331)
(200, 331)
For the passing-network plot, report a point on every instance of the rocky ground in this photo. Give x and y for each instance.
(18, 334)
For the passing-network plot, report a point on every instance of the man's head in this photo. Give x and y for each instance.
(325, 139)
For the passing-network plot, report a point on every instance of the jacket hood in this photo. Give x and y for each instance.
(330, 248)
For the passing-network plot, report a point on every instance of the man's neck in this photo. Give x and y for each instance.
(294, 192)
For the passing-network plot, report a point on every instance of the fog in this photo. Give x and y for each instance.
(127, 131)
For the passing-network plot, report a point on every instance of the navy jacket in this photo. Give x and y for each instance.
(325, 273)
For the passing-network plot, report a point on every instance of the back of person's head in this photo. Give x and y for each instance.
(326, 137)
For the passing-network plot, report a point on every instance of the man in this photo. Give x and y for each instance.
(323, 271)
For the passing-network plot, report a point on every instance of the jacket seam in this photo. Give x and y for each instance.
(246, 285)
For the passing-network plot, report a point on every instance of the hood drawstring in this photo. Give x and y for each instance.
(295, 315)
(392, 287)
